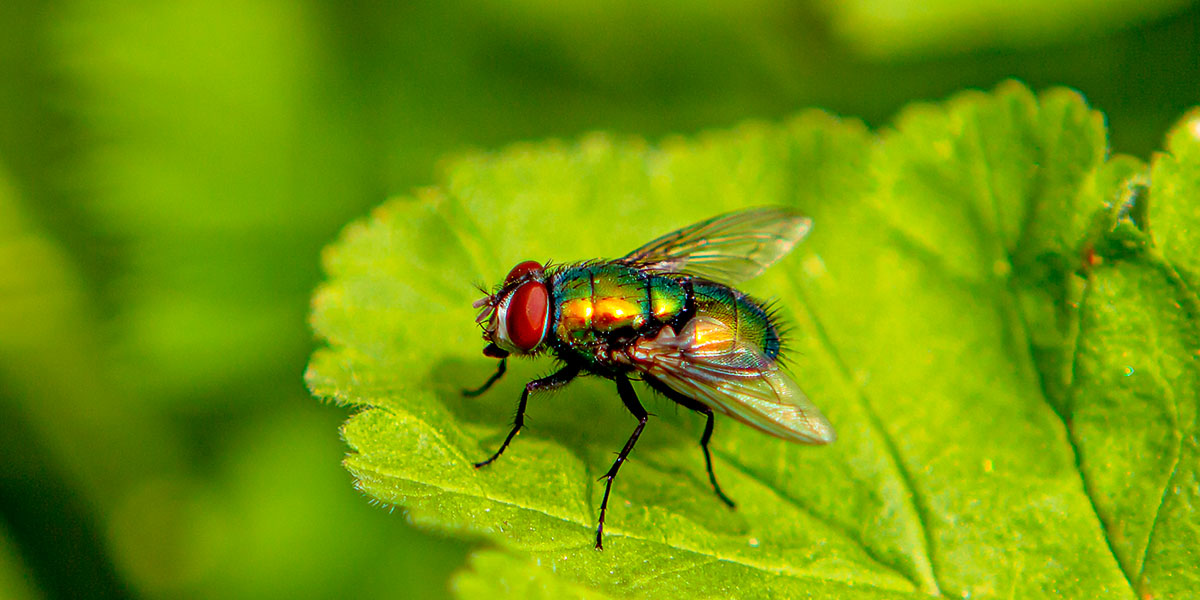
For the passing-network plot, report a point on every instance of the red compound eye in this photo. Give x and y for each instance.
(520, 270)
(525, 319)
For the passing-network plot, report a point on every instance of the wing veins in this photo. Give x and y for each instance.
(729, 248)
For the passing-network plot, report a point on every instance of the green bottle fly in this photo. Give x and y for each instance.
(665, 314)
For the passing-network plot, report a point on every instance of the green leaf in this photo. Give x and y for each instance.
(1137, 371)
(1174, 213)
(493, 574)
(936, 308)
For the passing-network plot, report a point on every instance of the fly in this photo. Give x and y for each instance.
(666, 314)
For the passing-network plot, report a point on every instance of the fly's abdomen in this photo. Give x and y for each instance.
(595, 300)
(749, 321)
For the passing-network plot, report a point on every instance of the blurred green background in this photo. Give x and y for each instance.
(170, 171)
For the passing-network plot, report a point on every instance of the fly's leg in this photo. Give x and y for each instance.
(629, 397)
(491, 380)
(708, 429)
(550, 382)
(704, 439)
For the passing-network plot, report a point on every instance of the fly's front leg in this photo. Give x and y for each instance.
(629, 397)
(491, 380)
(550, 382)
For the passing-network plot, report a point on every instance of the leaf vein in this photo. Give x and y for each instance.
(918, 506)
(780, 570)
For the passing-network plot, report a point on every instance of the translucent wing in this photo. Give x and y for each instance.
(729, 248)
(706, 361)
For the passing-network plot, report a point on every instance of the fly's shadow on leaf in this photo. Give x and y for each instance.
(587, 418)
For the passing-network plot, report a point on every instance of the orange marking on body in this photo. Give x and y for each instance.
(711, 335)
(662, 309)
(576, 315)
(613, 313)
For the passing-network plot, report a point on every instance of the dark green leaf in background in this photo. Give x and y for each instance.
(936, 308)
(207, 139)
(14, 576)
(911, 27)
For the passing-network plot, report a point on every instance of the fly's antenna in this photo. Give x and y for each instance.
(485, 306)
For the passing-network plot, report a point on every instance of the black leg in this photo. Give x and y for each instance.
(629, 397)
(491, 380)
(554, 380)
(708, 429)
(703, 409)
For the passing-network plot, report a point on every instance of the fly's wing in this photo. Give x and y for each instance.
(706, 361)
(730, 248)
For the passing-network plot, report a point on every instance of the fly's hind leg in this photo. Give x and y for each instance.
(705, 410)
(708, 429)
(555, 380)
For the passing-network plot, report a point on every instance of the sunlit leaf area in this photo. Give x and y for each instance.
(239, 244)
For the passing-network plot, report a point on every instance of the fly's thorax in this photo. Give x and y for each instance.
(595, 300)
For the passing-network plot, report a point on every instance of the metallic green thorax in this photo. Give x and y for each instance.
(602, 304)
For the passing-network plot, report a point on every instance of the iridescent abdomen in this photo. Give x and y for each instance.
(748, 320)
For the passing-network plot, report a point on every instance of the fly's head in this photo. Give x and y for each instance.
(516, 317)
